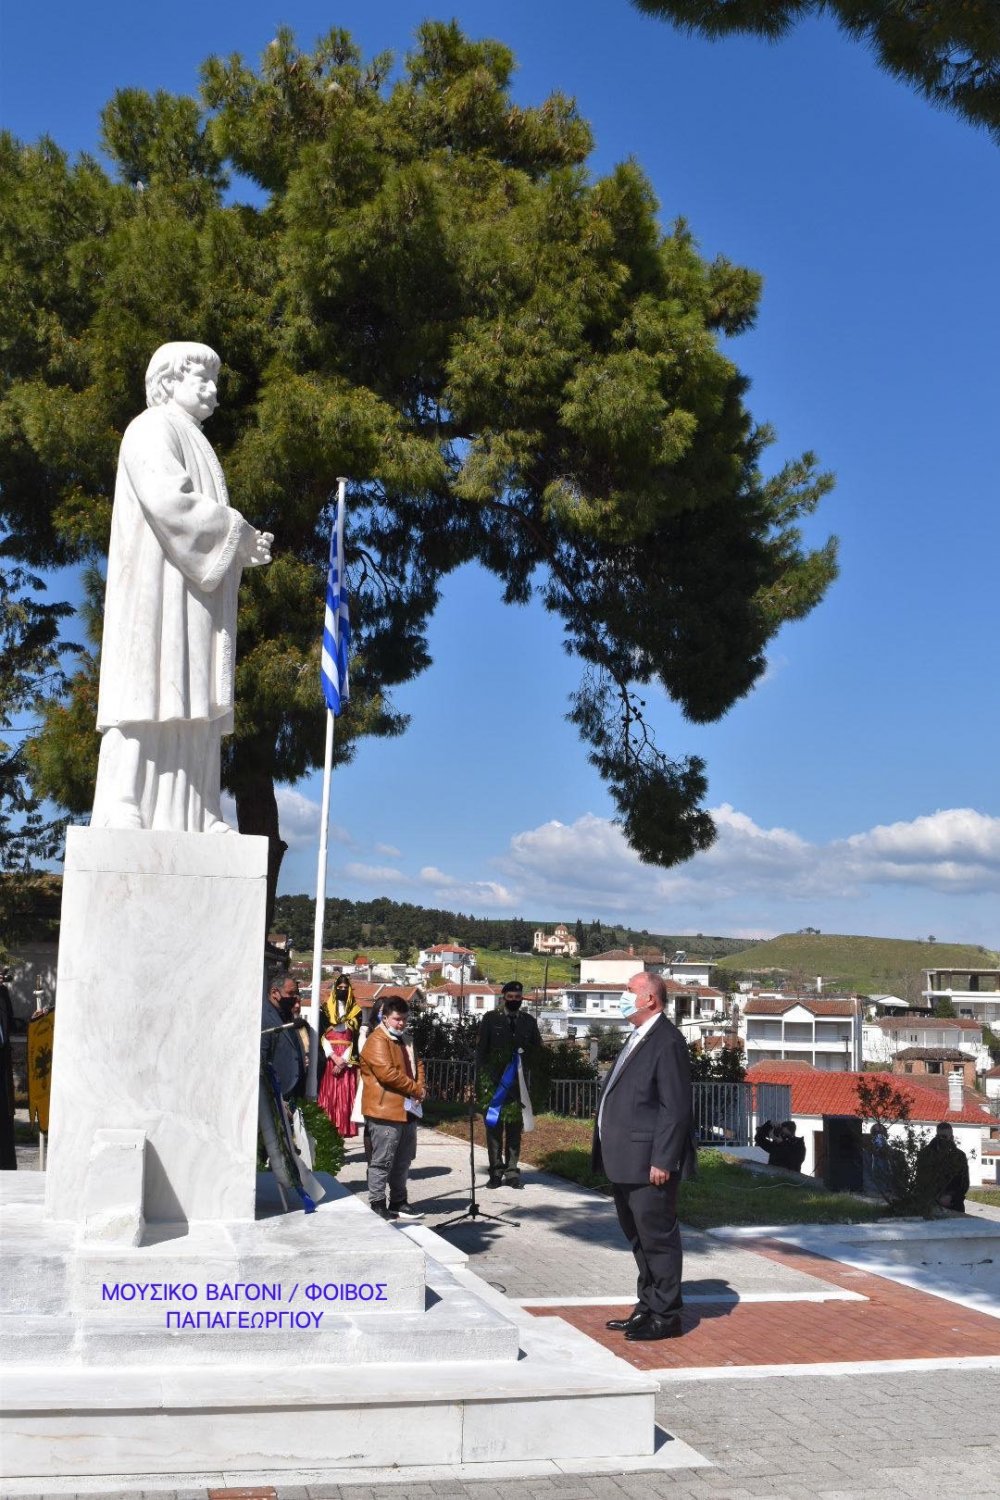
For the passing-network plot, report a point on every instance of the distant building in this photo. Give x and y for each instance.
(561, 943)
(885, 1038)
(585, 1010)
(697, 1009)
(474, 998)
(817, 1093)
(936, 1062)
(824, 1034)
(618, 965)
(975, 993)
(689, 970)
(450, 960)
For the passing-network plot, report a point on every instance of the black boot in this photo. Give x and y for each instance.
(511, 1172)
(494, 1151)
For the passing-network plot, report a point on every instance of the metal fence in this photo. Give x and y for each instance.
(574, 1097)
(448, 1079)
(724, 1113)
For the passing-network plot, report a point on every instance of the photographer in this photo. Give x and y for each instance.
(783, 1145)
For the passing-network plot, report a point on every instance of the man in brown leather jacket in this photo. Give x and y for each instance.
(392, 1083)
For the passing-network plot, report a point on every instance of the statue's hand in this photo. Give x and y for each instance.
(257, 548)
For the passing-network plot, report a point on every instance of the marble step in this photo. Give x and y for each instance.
(564, 1397)
(455, 1324)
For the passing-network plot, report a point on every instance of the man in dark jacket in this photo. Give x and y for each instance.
(783, 1145)
(501, 1035)
(643, 1143)
(943, 1170)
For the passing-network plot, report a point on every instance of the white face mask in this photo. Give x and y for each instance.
(628, 1006)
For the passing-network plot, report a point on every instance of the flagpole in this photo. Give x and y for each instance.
(321, 861)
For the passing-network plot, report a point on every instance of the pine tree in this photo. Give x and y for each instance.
(430, 293)
(948, 50)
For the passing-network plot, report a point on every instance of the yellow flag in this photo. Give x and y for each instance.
(41, 1030)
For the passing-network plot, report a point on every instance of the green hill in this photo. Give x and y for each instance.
(868, 965)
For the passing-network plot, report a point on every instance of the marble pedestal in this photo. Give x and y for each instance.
(445, 1370)
(159, 1316)
(157, 1026)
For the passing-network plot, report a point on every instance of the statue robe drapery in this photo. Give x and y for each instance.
(173, 577)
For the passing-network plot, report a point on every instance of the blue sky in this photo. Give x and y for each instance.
(857, 786)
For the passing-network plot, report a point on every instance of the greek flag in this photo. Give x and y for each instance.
(336, 622)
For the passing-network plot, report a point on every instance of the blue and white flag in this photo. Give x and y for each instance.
(336, 623)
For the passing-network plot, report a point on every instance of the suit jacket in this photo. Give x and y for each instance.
(647, 1114)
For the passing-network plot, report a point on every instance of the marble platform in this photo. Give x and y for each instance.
(454, 1374)
(155, 928)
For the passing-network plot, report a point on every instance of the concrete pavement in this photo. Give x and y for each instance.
(833, 1428)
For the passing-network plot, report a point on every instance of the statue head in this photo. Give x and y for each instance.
(172, 375)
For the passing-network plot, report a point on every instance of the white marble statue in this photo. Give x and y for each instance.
(177, 552)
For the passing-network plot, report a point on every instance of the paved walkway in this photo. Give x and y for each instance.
(784, 1382)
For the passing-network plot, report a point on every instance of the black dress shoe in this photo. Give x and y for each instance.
(495, 1180)
(619, 1325)
(653, 1326)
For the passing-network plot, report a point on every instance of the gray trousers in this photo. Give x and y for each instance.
(394, 1145)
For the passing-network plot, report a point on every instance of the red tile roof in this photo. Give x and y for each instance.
(815, 1007)
(617, 954)
(471, 987)
(448, 948)
(366, 993)
(894, 1023)
(816, 1092)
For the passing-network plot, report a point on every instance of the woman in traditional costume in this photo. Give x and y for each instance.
(340, 1078)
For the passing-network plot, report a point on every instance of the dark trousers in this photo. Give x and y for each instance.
(503, 1146)
(648, 1217)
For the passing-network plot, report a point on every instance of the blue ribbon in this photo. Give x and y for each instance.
(503, 1093)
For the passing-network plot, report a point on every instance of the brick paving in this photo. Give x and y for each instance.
(865, 1435)
(895, 1322)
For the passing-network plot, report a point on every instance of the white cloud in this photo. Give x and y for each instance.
(588, 868)
(953, 849)
(382, 875)
(298, 820)
(389, 850)
(474, 894)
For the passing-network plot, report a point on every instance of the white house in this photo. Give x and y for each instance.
(689, 970)
(826, 1034)
(560, 943)
(584, 1010)
(615, 966)
(451, 959)
(698, 1009)
(474, 998)
(818, 1092)
(975, 993)
(992, 1082)
(889, 1035)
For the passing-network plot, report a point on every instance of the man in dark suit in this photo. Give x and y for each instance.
(643, 1144)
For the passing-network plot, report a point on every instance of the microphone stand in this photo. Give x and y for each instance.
(472, 1210)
